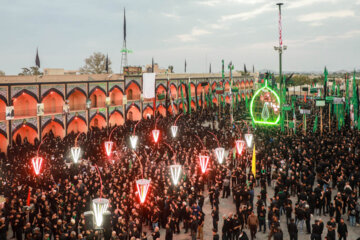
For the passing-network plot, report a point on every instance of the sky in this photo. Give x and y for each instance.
(317, 33)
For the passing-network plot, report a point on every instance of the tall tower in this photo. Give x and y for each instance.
(124, 50)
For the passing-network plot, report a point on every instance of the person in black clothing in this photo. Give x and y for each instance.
(236, 227)
(3, 229)
(292, 229)
(156, 233)
(316, 231)
(342, 230)
(215, 217)
(261, 216)
(243, 235)
(194, 227)
(169, 232)
(215, 234)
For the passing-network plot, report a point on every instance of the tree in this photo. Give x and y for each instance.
(2, 73)
(30, 71)
(95, 64)
(171, 68)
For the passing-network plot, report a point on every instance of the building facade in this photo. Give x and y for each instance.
(31, 106)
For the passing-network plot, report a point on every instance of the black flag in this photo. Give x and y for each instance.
(152, 65)
(185, 65)
(37, 59)
(107, 64)
(124, 26)
(245, 71)
(210, 68)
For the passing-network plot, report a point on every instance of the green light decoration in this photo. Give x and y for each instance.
(265, 106)
(126, 50)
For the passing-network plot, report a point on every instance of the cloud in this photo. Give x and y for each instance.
(249, 14)
(319, 16)
(213, 3)
(171, 15)
(195, 32)
(304, 3)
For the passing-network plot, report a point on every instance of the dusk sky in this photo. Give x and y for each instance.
(317, 33)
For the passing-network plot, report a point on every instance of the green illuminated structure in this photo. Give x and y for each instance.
(265, 106)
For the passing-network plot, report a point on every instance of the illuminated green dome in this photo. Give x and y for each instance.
(265, 106)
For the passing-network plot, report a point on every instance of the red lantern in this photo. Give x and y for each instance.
(37, 163)
(156, 134)
(143, 188)
(108, 147)
(204, 160)
(239, 146)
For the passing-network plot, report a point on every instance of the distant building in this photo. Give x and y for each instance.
(59, 71)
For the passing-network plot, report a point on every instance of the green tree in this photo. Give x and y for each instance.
(171, 68)
(30, 71)
(95, 64)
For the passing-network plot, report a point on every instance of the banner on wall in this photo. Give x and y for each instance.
(88, 103)
(107, 101)
(9, 112)
(149, 85)
(124, 99)
(40, 109)
(66, 108)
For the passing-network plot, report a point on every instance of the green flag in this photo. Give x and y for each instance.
(333, 88)
(246, 102)
(189, 97)
(355, 98)
(347, 107)
(325, 81)
(182, 98)
(315, 124)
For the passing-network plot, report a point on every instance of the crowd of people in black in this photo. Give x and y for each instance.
(311, 176)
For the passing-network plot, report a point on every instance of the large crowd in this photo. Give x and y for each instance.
(311, 175)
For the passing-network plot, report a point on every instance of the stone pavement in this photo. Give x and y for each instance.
(227, 206)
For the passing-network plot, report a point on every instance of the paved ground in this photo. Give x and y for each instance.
(227, 206)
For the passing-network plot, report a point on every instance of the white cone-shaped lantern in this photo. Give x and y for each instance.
(204, 160)
(174, 130)
(100, 205)
(75, 153)
(239, 146)
(249, 139)
(108, 147)
(143, 188)
(133, 141)
(156, 134)
(175, 171)
(37, 163)
(220, 154)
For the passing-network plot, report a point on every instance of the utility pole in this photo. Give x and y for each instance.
(231, 67)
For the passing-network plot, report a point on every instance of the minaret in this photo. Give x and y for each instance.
(124, 50)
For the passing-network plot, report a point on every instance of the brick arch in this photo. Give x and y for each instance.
(3, 143)
(116, 96)
(25, 104)
(251, 83)
(161, 109)
(193, 89)
(116, 118)
(56, 126)
(148, 110)
(97, 97)
(247, 84)
(49, 91)
(227, 86)
(173, 90)
(193, 105)
(53, 102)
(175, 109)
(199, 89)
(26, 130)
(133, 112)
(181, 105)
(213, 86)
(133, 90)
(76, 124)
(98, 120)
(160, 89)
(2, 109)
(77, 99)
(183, 86)
(215, 101)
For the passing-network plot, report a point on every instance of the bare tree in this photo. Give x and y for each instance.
(30, 71)
(2, 73)
(95, 64)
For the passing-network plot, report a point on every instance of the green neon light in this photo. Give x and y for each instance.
(252, 103)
